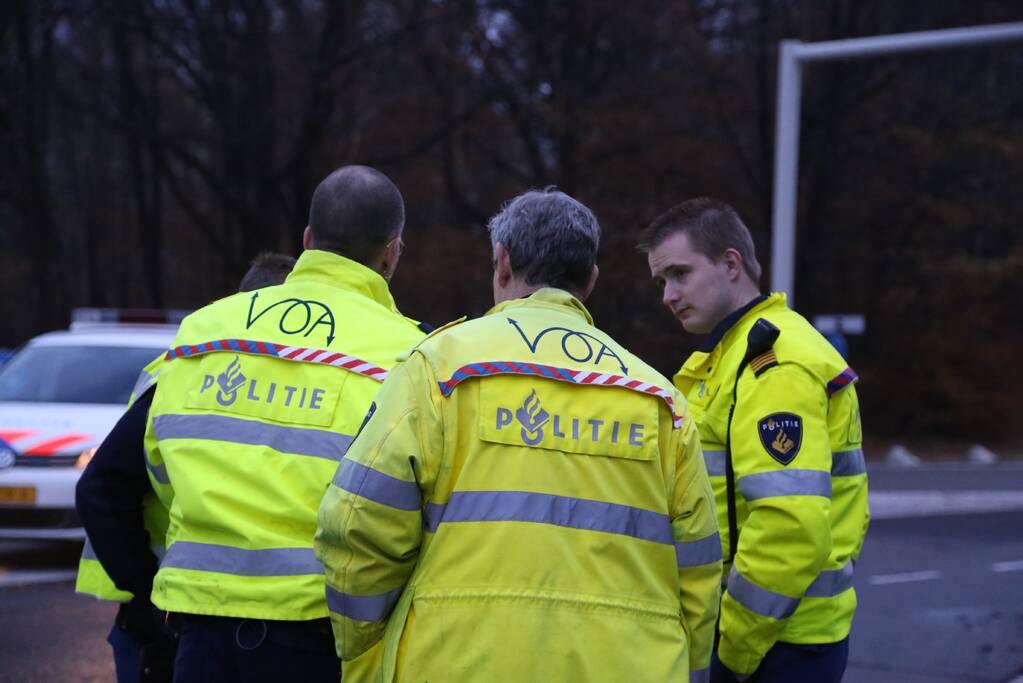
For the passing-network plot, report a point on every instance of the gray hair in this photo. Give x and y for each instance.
(550, 238)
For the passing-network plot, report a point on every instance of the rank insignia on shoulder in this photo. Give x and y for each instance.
(761, 363)
(782, 435)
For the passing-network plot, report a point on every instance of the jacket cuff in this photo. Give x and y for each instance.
(740, 663)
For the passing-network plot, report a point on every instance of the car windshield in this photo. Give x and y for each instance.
(73, 374)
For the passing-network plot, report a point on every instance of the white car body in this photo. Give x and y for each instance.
(37, 492)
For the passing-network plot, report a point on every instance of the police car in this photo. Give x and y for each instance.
(60, 395)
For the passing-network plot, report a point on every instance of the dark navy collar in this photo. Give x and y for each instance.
(727, 322)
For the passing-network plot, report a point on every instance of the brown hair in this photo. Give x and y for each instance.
(711, 226)
(267, 269)
(355, 212)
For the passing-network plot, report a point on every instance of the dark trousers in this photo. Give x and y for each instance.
(792, 663)
(126, 649)
(230, 650)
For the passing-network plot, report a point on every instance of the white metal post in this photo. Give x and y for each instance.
(786, 169)
(791, 55)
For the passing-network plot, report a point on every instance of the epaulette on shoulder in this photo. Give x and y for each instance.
(458, 321)
(763, 363)
(760, 346)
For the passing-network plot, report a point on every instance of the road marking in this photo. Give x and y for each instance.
(25, 578)
(924, 503)
(907, 577)
(1015, 566)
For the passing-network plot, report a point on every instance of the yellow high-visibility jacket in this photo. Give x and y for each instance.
(528, 502)
(260, 396)
(92, 579)
(800, 481)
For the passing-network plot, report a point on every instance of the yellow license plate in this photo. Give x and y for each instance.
(25, 495)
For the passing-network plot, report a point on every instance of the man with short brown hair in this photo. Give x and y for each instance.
(780, 426)
(257, 402)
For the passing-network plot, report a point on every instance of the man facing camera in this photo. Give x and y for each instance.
(780, 426)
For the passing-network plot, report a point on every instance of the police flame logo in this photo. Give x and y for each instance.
(532, 417)
(230, 381)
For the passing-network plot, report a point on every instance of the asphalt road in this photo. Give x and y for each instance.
(940, 585)
(47, 632)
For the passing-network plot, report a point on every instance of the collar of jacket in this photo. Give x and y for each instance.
(701, 362)
(550, 298)
(334, 270)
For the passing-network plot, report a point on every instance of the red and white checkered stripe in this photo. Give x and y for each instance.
(295, 353)
(338, 360)
(606, 380)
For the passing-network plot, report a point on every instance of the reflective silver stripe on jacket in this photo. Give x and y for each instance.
(159, 471)
(318, 443)
(843, 463)
(785, 483)
(223, 559)
(848, 463)
(545, 508)
(831, 582)
(760, 600)
(144, 381)
(381, 488)
(715, 460)
(362, 607)
(702, 551)
(699, 675)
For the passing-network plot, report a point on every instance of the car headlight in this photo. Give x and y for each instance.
(84, 457)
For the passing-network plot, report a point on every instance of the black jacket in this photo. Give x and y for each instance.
(109, 501)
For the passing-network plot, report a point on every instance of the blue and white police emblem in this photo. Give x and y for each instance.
(782, 435)
(8, 456)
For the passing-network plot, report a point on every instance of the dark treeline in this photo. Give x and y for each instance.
(149, 149)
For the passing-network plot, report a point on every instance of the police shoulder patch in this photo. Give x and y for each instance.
(782, 435)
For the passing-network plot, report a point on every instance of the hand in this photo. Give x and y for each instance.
(142, 620)
(719, 673)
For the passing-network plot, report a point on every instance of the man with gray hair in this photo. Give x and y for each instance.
(527, 500)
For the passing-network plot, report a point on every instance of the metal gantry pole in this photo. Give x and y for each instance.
(791, 56)
(786, 170)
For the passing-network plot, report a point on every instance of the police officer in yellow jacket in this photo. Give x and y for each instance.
(257, 402)
(528, 500)
(134, 630)
(780, 427)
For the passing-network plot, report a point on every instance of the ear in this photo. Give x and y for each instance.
(502, 265)
(389, 261)
(307, 238)
(591, 284)
(733, 263)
